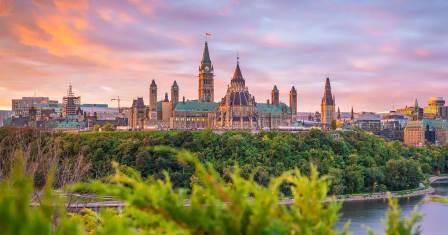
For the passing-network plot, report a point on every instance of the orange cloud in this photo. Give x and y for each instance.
(78, 5)
(6, 7)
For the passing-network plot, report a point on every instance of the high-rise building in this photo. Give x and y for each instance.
(70, 103)
(293, 100)
(153, 96)
(206, 77)
(275, 96)
(21, 107)
(327, 107)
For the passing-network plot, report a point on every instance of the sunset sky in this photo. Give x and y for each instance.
(378, 54)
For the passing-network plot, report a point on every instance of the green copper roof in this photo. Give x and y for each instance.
(196, 106)
(269, 108)
(205, 55)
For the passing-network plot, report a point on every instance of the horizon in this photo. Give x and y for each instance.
(378, 56)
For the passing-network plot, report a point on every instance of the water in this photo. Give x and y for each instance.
(372, 213)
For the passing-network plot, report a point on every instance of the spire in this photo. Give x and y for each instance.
(416, 104)
(328, 97)
(153, 83)
(237, 75)
(174, 84)
(275, 88)
(339, 114)
(352, 115)
(206, 55)
(70, 91)
(293, 89)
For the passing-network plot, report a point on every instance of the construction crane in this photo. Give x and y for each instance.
(118, 101)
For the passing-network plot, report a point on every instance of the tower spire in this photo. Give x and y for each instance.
(206, 55)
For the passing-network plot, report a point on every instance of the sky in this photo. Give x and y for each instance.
(378, 54)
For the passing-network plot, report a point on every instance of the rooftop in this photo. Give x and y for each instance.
(196, 106)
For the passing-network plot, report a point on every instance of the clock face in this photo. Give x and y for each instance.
(206, 68)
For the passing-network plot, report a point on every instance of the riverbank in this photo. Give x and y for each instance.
(385, 195)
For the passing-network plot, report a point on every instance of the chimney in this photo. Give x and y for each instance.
(183, 99)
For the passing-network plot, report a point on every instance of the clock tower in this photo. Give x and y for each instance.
(206, 77)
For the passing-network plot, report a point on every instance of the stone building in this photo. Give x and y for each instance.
(193, 115)
(237, 109)
(137, 114)
(420, 132)
(327, 107)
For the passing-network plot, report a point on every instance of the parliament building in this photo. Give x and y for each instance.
(238, 109)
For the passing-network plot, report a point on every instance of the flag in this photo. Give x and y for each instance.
(208, 34)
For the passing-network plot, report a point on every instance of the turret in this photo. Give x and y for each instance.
(275, 96)
(153, 96)
(293, 100)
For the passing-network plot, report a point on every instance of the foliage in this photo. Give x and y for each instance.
(356, 161)
(18, 217)
(215, 206)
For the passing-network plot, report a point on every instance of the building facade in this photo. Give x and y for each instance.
(21, 107)
(137, 114)
(421, 132)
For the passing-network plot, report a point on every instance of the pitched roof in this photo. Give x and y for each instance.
(206, 55)
(270, 108)
(237, 75)
(328, 97)
(196, 106)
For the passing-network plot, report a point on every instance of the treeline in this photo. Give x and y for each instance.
(356, 161)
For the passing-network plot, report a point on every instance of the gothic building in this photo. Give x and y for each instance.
(327, 107)
(238, 108)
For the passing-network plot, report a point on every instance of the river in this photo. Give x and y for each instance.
(371, 213)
